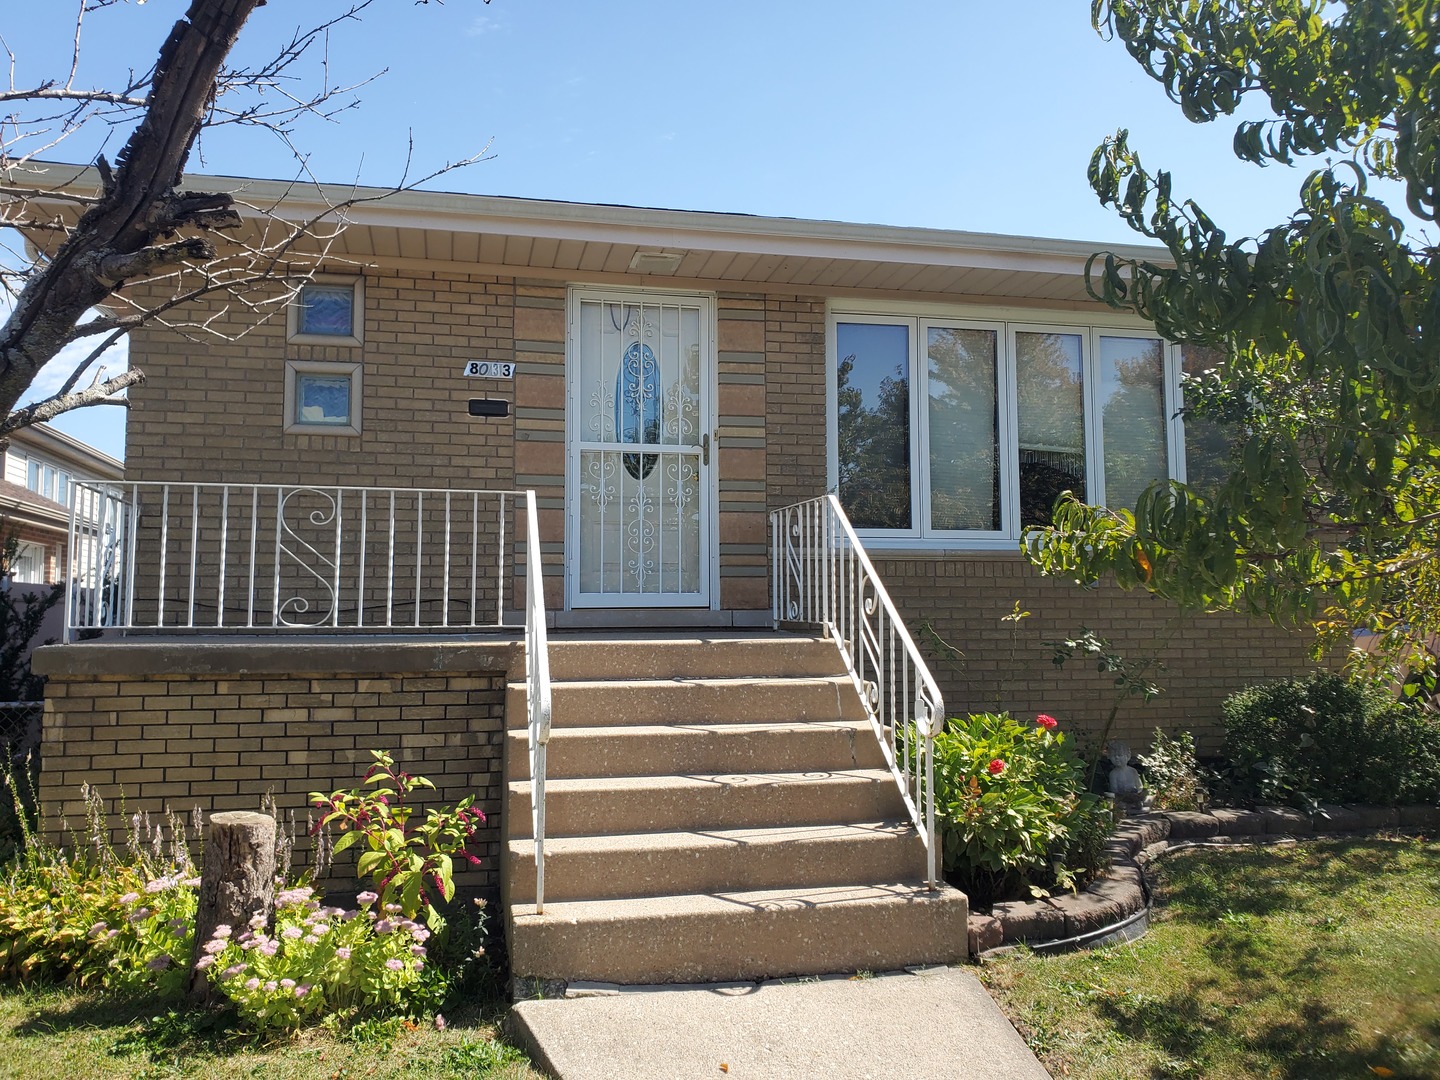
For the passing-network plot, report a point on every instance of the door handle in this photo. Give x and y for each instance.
(705, 449)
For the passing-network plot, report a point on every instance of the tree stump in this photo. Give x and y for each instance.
(237, 883)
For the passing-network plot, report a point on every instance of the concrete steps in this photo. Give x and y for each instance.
(776, 699)
(741, 935)
(595, 806)
(657, 749)
(717, 860)
(717, 808)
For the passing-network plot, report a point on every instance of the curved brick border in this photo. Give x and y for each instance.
(1111, 904)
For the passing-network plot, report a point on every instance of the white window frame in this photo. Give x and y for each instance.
(355, 338)
(34, 554)
(1090, 327)
(295, 368)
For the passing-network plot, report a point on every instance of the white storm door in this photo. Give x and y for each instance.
(640, 489)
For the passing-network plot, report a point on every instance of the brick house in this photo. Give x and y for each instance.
(38, 464)
(663, 382)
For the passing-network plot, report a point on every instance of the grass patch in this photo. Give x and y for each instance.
(1315, 960)
(49, 1033)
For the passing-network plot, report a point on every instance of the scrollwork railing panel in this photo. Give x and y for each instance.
(820, 574)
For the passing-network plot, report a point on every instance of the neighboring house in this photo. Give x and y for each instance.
(40, 465)
(336, 492)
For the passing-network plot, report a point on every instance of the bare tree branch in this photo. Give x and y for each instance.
(100, 393)
(84, 247)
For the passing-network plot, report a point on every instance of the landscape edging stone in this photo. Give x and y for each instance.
(1125, 889)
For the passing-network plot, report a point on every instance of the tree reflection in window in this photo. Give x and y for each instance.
(1050, 400)
(873, 397)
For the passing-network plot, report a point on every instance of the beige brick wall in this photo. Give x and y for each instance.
(175, 741)
(743, 452)
(212, 409)
(794, 398)
(964, 598)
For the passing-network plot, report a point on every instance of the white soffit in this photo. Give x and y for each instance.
(576, 239)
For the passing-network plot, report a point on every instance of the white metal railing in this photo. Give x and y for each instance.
(186, 557)
(821, 575)
(537, 690)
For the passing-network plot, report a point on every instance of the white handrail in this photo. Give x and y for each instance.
(296, 557)
(537, 690)
(822, 575)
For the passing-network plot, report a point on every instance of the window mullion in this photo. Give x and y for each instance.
(920, 426)
(1009, 435)
(1094, 421)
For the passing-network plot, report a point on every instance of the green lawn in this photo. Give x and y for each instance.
(56, 1034)
(1307, 961)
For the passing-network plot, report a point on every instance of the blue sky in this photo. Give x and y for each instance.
(950, 115)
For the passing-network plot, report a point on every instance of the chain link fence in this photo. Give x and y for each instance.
(20, 727)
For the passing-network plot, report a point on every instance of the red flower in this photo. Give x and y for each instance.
(997, 766)
(1047, 721)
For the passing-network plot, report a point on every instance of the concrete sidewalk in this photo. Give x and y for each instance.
(939, 1023)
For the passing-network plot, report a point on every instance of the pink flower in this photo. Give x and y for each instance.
(394, 964)
(997, 766)
(252, 983)
(1048, 722)
(366, 898)
(343, 952)
(288, 984)
(160, 963)
(292, 932)
(439, 1022)
(214, 946)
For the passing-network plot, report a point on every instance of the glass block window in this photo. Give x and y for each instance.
(322, 398)
(329, 310)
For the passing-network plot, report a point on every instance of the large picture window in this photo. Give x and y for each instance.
(965, 431)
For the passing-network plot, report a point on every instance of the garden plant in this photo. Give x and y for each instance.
(122, 920)
(1016, 819)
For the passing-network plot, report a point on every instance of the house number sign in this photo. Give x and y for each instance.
(489, 369)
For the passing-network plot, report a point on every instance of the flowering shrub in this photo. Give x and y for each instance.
(1013, 807)
(321, 960)
(411, 866)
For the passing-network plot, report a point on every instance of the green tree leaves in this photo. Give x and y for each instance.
(1326, 324)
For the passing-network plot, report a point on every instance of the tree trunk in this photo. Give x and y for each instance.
(236, 884)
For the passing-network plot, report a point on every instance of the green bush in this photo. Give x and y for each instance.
(1173, 776)
(1327, 739)
(1015, 818)
(124, 920)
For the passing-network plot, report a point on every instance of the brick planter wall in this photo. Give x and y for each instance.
(175, 726)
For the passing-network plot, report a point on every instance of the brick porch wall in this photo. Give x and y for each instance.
(173, 727)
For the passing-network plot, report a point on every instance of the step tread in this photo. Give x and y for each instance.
(699, 727)
(690, 839)
(723, 681)
(717, 903)
(705, 780)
